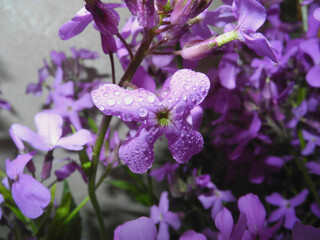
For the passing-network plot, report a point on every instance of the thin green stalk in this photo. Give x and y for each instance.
(76, 210)
(304, 16)
(129, 73)
(307, 178)
(94, 165)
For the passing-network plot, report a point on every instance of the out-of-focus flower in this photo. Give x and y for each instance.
(49, 134)
(141, 228)
(30, 195)
(161, 214)
(286, 207)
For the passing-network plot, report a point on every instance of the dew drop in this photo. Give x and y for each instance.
(128, 100)
(170, 100)
(110, 102)
(116, 93)
(184, 97)
(151, 99)
(106, 95)
(101, 108)
(140, 99)
(143, 112)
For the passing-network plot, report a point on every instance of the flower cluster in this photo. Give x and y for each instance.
(235, 92)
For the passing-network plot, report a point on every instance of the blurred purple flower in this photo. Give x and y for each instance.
(161, 214)
(30, 196)
(304, 232)
(48, 136)
(192, 235)
(141, 228)
(313, 141)
(286, 207)
(167, 170)
(187, 89)
(251, 15)
(1, 201)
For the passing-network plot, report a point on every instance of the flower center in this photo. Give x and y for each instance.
(163, 118)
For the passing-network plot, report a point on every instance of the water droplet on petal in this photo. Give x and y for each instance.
(110, 102)
(127, 100)
(140, 99)
(170, 100)
(143, 112)
(184, 97)
(116, 93)
(186, 87)
(101, 108)
(151, 99)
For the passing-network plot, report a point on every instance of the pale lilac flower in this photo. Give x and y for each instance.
(30, 196)
(187, 89)
(66, 170)
(161, 214)
(167, 170)
(286, 207)
(141, 228)
(4, 104)
(49, 134)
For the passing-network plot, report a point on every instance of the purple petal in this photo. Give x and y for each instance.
(155, 214)
(224, 222)
(240, 227)
(219, 17)
(206, 201)
(311, 47)
(254, 210)
(228, 70)
(300, 198)
(17, 141)
(260, 45)
(164, 203)
(195, 117)
(312, 76)
(314, 167)
(141, 228)
(290, 218)
(172, 219)
(49, 126)
(163, 233)
(276, 199)
(15, 167)
(129, 105)
(108, 43)
(276, 214)
(25, 134)
(76, 141)
(250, 14)
(73, 28)
(183, 141)
(192, 235)
(84, 102)
(309, 148)
(30, 196)
(187, 89)
(316, 14)
(137, 152)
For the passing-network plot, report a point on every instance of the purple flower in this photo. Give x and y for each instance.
(157, 116)
(167, 170)
(251, 15)
(145, 11)
(30, 196)
(164, 217)
(313, 141)
(141, 228)
(286, 207)
(216, 199)
(255, 213)
(4, 104)
(48, 136)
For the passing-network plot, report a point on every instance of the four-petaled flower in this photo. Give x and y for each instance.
(157, 116)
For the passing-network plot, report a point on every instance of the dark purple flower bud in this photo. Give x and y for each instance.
(105, 19)
(145, 11)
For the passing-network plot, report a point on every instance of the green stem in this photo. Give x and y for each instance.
(304, 16)
(94, 165)
(76, 210)
(307, 178)
(129, 73)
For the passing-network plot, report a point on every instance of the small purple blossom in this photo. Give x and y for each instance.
(161, 214)
(30, 195)
(286, 207)
(157, 116)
